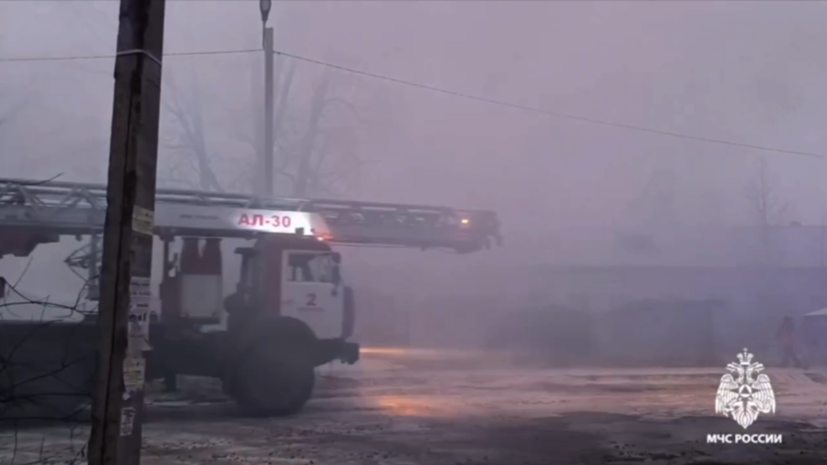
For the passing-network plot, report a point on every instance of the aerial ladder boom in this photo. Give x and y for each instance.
(42, 211)
(278, 328)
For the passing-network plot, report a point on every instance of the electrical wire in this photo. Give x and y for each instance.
(109, 57)
(453, 93)
(554, 113)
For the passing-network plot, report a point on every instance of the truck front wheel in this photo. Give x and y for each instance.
(273, 385)
(276, 376)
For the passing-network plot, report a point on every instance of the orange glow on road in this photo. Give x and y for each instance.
(384, 350)
(404, 406)
(418, 406)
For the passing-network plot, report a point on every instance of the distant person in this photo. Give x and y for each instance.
(786, 337)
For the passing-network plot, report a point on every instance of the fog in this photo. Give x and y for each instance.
(636, 94)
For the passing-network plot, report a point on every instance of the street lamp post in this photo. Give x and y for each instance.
(266, 182)
(264, 7)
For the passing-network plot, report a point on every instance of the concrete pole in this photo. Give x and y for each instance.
(117, 409)
(269, 108)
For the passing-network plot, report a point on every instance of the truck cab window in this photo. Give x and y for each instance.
(250, 269)
(314, 267)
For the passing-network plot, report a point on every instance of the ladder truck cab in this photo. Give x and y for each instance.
(310, 287)
(290, 311)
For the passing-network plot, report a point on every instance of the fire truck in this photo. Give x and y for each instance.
(290, 312)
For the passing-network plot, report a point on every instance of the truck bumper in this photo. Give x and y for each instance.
(329, 350)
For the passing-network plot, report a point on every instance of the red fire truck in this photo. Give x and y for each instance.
(291, 310)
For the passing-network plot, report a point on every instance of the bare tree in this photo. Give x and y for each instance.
(194, 169)
(46, 374)
(317, 143)
(10, 110)
(650, 212)
(655, 204)
(326, 158)
(251, 132)
(768, 210)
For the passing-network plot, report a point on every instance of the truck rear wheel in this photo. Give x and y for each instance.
(275, 377)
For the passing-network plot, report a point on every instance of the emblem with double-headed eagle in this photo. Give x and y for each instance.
(745, 392)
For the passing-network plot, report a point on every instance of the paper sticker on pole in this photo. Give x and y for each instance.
(139, 291)
(143, 220)
(138, 330)
(127, 421)
(134, 375)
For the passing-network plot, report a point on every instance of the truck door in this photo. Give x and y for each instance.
(311, 291)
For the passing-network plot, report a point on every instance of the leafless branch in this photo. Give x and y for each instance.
(313, 145)
(13, 111)
(45, 364)
(186, 111)
(354, 112)
(767, 208)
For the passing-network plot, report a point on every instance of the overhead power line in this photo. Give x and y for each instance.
(453, 93)
(554, 113)
(110, 57)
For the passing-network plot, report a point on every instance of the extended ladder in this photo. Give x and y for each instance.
(67, 208)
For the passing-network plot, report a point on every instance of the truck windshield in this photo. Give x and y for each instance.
(311, 267)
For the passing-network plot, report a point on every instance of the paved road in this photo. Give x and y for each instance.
(429, 408)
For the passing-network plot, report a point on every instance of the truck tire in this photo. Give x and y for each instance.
(275, 376)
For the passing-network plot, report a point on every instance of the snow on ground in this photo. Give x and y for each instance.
(438, 407)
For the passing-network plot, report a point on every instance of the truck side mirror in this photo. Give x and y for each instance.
(2, 287)
(335, 276)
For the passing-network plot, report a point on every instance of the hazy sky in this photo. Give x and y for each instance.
(749, 72)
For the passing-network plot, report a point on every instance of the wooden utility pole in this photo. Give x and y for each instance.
(117, 410)
(269, 116)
